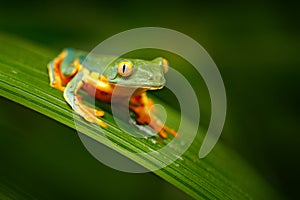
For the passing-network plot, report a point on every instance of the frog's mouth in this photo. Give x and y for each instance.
(152, 87)
(124, 90)
(138, 87)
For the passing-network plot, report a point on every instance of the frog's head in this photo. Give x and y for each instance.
(138, 73)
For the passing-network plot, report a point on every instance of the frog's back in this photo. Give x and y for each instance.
(93, 62)
(98, 63)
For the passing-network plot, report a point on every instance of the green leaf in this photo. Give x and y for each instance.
(222, 175)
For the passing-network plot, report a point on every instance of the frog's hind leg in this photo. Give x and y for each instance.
(141, 105)
(71, 96)
(54, 72)
(63, 68)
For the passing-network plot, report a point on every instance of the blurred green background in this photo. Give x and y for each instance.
(255, 44)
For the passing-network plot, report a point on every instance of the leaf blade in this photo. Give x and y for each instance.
(24, 79)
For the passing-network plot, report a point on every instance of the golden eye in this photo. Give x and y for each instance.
(125, 68)
(166, 65)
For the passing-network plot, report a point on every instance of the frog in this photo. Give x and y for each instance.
(69, 73)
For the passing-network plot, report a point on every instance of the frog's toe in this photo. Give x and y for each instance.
(163, 134)
(99, 113)
(93, 119)
(90, 119)
(101, 123)
(171, 131)
(58, 86)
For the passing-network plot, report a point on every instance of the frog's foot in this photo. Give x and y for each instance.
(89, 114)
(98, 113)
(162, 129)
(152, 121)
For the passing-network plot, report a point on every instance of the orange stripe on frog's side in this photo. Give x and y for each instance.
(102, 90)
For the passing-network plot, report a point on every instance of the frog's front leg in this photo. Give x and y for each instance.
(141, 105)
(74, 100)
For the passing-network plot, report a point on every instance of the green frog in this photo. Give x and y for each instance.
(73, 70)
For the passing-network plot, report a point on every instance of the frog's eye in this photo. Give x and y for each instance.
(125, 68)
(165, 65)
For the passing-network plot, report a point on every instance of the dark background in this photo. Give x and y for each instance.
(255, 44)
